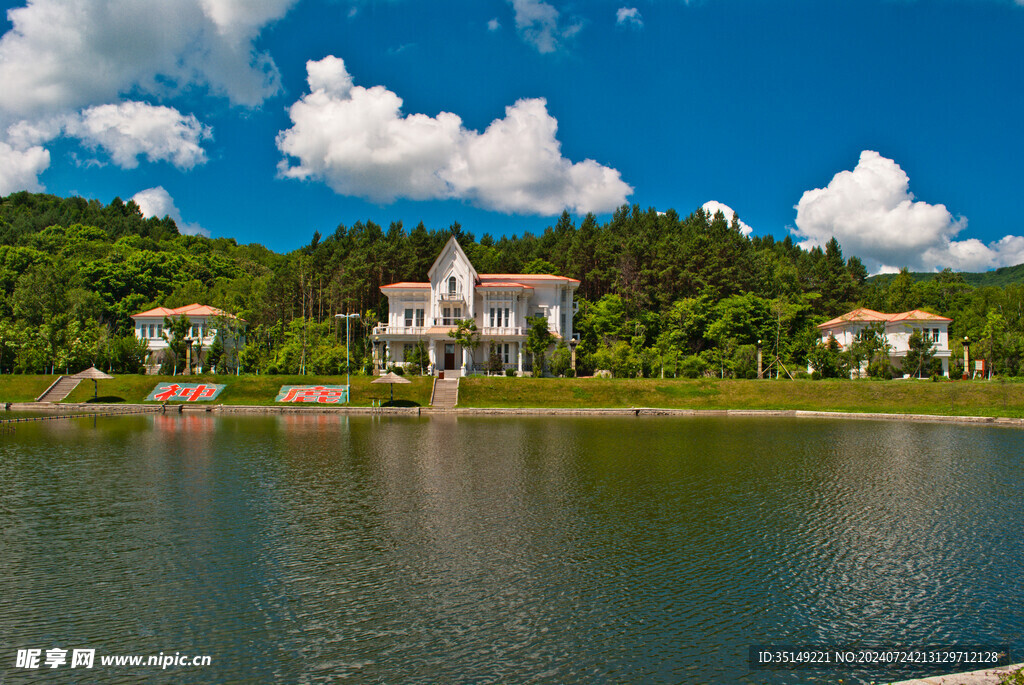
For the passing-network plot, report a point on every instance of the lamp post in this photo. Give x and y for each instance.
(188, 357)
(573, 342)
(967, 347)
(760, 368)
(348, 359)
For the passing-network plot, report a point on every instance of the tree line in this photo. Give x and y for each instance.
(661, 294)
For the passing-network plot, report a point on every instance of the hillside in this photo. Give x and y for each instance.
(1000, 278)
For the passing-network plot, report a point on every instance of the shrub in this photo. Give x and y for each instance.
(561, 360)
(692, 367)
(400, 371)
(511, 373)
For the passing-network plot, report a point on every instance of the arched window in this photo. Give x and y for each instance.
(452, 285)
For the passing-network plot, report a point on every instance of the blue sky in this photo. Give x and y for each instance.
(893, 125)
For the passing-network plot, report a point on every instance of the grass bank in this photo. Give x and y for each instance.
(258, 390)
(961, 398)
(947, 398)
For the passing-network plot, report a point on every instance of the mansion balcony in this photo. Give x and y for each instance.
(399, 330)
(442, 325)
(501, 331)
(452, 296)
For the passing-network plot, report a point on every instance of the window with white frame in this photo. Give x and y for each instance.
(408, 317)
(419, 318)
(453, 285)
(935, 335)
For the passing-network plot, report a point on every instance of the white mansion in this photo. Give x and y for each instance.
(896, 329)
(204, 319)
(498, 303)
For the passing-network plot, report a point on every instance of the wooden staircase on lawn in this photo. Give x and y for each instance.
(60, 389)
(446, 393)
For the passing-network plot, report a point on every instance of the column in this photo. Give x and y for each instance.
(465, 360)
(519, 358)
(432, 355)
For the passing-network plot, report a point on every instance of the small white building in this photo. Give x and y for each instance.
(498, 303)
(896, 328)
(149, 326)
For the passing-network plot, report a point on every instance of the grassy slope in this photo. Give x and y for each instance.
(978, 398)
(898, 397)
(240, 389)
(17, 388)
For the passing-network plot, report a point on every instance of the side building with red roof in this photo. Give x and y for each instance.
(498, 303)
(897, 329)
(204, 320)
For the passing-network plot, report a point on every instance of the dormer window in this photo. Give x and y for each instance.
(453, 285)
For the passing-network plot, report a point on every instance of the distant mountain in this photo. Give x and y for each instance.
(999, 278)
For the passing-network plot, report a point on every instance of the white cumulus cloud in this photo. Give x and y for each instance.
(64, 55)
(358, 142)
(712, 207)
(159, 203)
(20, 168)
(629, 16)
(873, 215)
(493, 25)
(541, 25)
(124, 131)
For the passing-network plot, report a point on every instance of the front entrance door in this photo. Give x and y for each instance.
(449, 356)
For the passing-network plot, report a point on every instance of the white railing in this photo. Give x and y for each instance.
(399, 330)
(453, 297)
(502, 330)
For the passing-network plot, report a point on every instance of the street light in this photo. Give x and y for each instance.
(348, 360)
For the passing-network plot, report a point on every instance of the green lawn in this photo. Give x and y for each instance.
(247, 389)
(18, 388)
(972, 398)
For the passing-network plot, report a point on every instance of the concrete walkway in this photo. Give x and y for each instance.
(987, 676)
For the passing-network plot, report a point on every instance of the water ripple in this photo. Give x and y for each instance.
(332, 549)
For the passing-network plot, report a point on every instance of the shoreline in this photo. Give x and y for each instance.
(114, 409)
(985, 676)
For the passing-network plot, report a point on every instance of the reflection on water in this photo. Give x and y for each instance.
(323, 548)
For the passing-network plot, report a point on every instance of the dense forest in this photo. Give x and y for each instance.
(661, 294)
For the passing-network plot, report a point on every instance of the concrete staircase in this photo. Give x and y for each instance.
(446, 393)
(60, 389)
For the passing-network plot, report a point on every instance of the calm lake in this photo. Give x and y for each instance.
(321, 548)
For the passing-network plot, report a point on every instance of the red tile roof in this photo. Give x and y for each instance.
(187, 310)
(405, 284)
(862, 314)
(525, 277)
(917, 315)
(504, 284)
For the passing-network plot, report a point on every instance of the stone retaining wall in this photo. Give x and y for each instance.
(501, 411)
